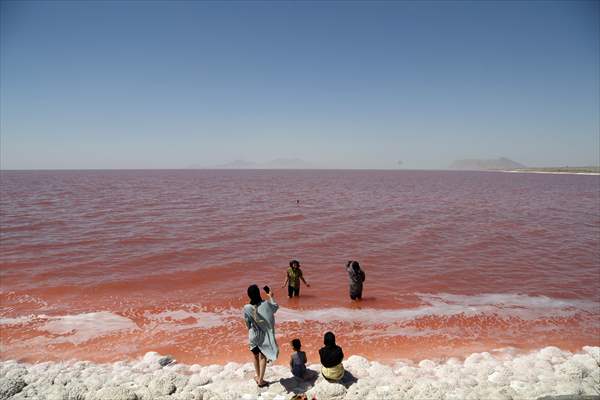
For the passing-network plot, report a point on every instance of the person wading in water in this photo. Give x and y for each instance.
(292, 279)
(356, 276)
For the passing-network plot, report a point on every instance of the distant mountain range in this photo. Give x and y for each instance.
(278, 163)
(501, 163)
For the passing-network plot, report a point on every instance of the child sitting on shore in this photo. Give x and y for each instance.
(298, 360)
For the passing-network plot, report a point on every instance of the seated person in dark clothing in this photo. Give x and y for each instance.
(331, 359)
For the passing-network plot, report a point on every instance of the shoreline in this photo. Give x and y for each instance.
(550, 172)
(535, 375)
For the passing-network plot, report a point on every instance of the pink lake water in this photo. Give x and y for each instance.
(108, 265)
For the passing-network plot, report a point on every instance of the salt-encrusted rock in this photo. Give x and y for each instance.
(570, 370)
(500, 376)
(248, 368)
(230, 367)
(56, 392)
(549, 353)
(41, 368)
(473, 360)
(62, 379)
(277, 388)
(327, 390)
(182, 396)
(379, 371)
(162, 386)
(93, 383)
(115, 393)
(427, 364)
(195, 368)
(516, 377)
(30, 392)
(76, 391)
(520, 387)
(11, 386)
(151, 357)
(143, 393)
(149, 362)
(198, 393)
(425, 390)
(568, 388)
(199, 380)
(385, 394)
(586, 362)
(498, 392)
(590, 385)
(358, 391)
(15, 373)
(210, 395)
(593, 351)
(214, 369)
(142, 380)
(357, 365)
(569, 397)
(7, 366)
(165, 384)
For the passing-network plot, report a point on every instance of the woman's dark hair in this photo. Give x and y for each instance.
(329, 339)
(296, 345)
(254, 295)
(294, 262)
(355, 265)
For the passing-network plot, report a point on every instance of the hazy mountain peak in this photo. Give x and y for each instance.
(278, 163)
(502, 163)
(287, 163)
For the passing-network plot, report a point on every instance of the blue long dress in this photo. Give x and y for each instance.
(260, 321)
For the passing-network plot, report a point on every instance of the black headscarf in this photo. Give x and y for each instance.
(331, 354)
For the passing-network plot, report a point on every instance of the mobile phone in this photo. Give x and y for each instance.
(267, 289)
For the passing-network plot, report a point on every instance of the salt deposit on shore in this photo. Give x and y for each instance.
(547, 372)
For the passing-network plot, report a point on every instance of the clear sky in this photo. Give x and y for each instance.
(339, 84)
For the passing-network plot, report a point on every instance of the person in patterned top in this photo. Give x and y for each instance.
(292, 279)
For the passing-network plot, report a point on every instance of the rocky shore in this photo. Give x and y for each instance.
(549, 374)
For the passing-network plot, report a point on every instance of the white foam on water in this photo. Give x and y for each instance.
(177, 319)
(503, 375)
(445, 305)
(435, 305)
(20, 320)
(510, 301)
(83, 327)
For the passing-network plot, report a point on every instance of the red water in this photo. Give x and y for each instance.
(107, 265)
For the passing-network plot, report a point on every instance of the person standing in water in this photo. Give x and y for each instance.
(357, 277)
(292, 279)
(259, 317)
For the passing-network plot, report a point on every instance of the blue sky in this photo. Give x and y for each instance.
(338, 84)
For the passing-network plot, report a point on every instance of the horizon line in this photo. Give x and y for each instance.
(287, 169)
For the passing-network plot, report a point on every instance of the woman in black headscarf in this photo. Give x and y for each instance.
(331, 358)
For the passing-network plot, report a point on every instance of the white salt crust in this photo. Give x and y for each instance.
(547, 372)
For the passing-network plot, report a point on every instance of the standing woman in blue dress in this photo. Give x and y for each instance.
(259, 317)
